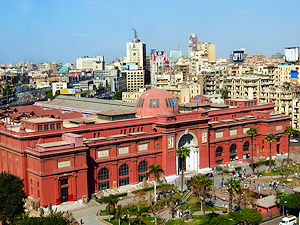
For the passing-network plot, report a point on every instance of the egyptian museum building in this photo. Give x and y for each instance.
(63, 161)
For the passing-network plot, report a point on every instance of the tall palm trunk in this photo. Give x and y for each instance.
(182, 175)
(230, 201)
(288, 149)
(252, 155)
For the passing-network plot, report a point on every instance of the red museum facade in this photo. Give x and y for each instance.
(61, 162)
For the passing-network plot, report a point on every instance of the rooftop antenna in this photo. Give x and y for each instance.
(135, 34)
(179, 45)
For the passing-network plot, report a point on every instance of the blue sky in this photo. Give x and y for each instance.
(62, 30)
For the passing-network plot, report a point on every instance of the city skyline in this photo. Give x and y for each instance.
(45, 32)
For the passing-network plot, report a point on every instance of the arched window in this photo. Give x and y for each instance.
(142, 170)
(219, 151)
(123, 170)
(233, 149)
(103, 176)
(246, 146)
(143, 167)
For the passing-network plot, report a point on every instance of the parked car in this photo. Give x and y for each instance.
(294, 140)
(289, 220)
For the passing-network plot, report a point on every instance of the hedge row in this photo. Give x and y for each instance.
(104, 199)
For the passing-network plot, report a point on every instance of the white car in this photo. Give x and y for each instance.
(289, 220)
(294, 140)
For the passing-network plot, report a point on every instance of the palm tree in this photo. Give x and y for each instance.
(156, 170)
(233, 186)
(271, 137)
(252, 132)
(290, 131)
(118, 213)
(225, 93)
(202, 186)
(111, 203)
(182, 154)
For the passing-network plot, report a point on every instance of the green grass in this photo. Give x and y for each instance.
(194, 205)
(195, 221)
(148, 220)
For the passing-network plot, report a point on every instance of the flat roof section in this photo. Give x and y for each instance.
(42, 120)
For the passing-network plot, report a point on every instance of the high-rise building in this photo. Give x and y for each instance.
(135, 64)
(208, 50)
(136, 52)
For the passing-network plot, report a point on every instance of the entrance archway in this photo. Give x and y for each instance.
(191, 163)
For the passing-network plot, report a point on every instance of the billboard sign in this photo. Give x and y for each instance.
(238, 56)
(291, 54)
(294, 75)
(193, 41)
(159, 56)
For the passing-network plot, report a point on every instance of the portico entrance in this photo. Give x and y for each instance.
(191, 163)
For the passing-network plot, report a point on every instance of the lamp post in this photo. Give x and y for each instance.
(283, 207)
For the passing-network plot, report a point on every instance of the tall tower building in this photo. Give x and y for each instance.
(136, 52)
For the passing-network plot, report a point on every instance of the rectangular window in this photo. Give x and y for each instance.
(58, 126)
(232, 132)
(218, 162)
(279, 127)
(204, 136)
(141, 177)
(123, 181)
(123, 150)
(40, 127)
(64, 182)
(104, 185)
(64, 164)
(52, 127)
(245, 130)
(170, 142)
(143, 147)
(102, 154)
(46, 127)
(154, 103)
(219, 134)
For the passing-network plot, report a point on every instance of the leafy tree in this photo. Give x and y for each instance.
(236, 217)
(290, 202)
(244, 197)
(217, 220)
(233, 187)
(57, 218)
(7, 90)
(225, 93)
(12, 197)
(202, 186)
(271, 137)
(182, 154)
(252, 132)
(252, 216)
(117, 96)
(290, 131)
(156, 170)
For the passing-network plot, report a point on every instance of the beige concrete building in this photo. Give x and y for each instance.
(248, 86)
(208, 49)
(135, 79)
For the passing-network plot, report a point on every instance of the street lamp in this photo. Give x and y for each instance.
(283, 207)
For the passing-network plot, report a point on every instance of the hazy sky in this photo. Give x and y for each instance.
(62, 30)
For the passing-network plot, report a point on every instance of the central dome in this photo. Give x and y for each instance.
(156, 102)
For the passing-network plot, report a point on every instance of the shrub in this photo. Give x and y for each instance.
(103, 199)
